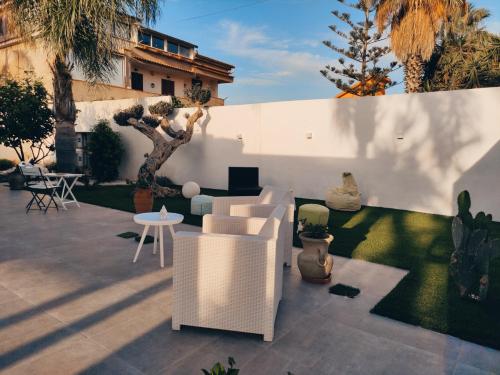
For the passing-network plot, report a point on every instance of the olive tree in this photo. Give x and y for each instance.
(163, 147)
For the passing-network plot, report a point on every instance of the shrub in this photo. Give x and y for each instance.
(6, 164)
(26, 119)
(106, 151)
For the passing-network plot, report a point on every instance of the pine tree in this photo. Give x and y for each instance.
(364, 52)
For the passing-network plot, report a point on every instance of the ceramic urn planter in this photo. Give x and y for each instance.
(315, 263)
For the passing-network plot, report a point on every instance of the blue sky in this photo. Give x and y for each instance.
(276, 45)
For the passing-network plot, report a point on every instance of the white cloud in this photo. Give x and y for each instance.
(277, 59)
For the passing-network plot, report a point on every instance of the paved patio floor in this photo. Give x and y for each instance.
(71, 301)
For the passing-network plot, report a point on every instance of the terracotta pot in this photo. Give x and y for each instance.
(315, 264)
(143, 200)
(16, 181)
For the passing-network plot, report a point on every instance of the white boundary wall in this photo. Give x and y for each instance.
(451, 141)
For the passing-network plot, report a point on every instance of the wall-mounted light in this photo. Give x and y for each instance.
(152, 85)
(239, 137)
(309, 135)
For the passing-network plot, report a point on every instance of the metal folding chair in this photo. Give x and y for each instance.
(39, 186)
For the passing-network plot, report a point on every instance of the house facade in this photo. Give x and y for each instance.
(147, 63)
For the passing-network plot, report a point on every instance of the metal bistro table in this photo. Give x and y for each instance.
(153, 219)
(62, 180)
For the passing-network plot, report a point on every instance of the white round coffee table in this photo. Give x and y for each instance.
(153, 219)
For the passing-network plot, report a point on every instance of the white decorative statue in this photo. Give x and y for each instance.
(163, 213)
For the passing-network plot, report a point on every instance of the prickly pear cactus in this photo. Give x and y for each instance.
(470, 262)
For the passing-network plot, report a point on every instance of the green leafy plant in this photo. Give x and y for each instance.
(474, 250)
(161, 108)
(466, 55)
(76, 33)
(176, 102)
(106, 150)
(122, 117)
(6, 164)
(218, 369)
(197, 95)
(358, 71)
(311, 230)
(26, 121)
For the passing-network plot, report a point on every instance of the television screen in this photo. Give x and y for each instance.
(243, 177)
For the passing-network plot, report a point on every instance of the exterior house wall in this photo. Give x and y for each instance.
(116, 78)
(413, 152)
(19, 59)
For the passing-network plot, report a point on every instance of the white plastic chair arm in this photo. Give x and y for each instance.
(232, 224)
(222, 205)
(230, 238)
(252, 210)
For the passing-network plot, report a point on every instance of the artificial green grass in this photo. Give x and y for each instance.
(415, 241)
(422, 244)
(120, 197)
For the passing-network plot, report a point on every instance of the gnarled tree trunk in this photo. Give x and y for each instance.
(163, 149)
(414, 73)
(65, 114)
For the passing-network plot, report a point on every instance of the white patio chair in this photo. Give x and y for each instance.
(261, 206)
(232, 277)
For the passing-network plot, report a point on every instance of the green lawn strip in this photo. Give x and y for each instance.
(411, 240)
(119, 197)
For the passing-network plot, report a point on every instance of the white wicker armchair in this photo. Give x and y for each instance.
(232, 277)
(261, 206)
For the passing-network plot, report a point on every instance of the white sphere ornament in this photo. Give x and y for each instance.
(190, 189)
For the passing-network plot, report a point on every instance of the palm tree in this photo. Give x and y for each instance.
(414, 26)
(466, 56)
(76, 32)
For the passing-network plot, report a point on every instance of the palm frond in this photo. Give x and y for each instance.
(82, 30)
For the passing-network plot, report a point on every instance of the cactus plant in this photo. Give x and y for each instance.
(474, 249)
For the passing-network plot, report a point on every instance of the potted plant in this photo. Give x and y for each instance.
(315, 263)
(143, 197)
(219, 369)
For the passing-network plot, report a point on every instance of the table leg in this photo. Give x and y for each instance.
(171, 227)
(62, 182)
(156, 239)
(70, 191)
(144, 234)
(162, 261)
